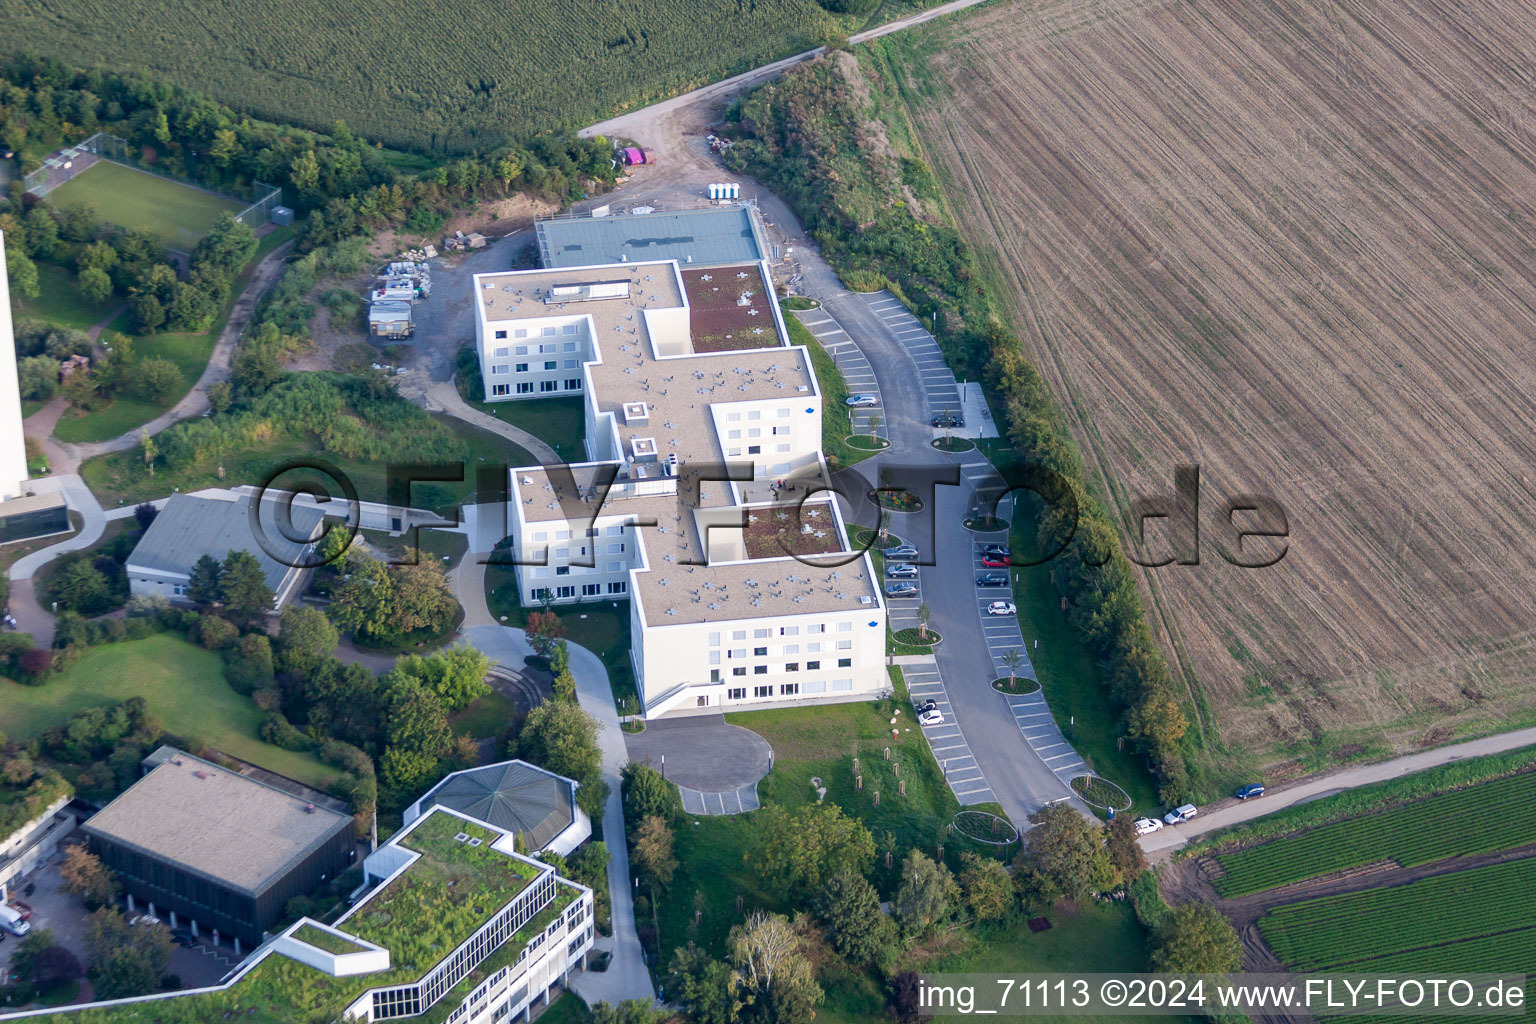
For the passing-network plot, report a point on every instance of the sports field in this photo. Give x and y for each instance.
(139, 201)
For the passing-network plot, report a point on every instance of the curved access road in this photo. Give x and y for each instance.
(1161, 845)
(640, 124)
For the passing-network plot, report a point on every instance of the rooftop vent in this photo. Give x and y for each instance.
(636, 412)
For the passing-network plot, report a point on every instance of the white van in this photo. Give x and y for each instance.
(11, 921)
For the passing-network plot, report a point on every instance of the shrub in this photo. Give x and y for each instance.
(248, 664)
(215, 634)
(280, 732)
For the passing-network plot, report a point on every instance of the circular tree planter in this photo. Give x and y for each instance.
(913, 637)
(896, 501)
(953, 444)
(867, 442)
(800, 303)
(1020, 685)
(1101, 793)
(985, 827)
(863, 537)
(986, 524)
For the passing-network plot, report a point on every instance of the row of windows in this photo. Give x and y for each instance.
(616, 589)
(764, 632)
(591, 531)
(789, 689)
(789, 649)
(547, 332)
(755, 414)
(542, 572)
(734, 435)
(526, 387)
(757, 449)
(762, 670)
(502, 369)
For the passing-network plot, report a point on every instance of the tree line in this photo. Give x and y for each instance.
(810, 137)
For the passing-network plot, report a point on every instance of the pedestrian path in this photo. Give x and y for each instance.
(946, 739)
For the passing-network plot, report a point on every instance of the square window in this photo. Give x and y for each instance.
(733, 417)
(812, 666)
(738, 671)
(759, 670)
(755, 432)
(737, 693)
(500, 335)
(548, 332)
(793, 666)
(622, 587)
(501, 368)
(573, 384)
(714, 639)
(754, 449)
(548, 385)
(522, 367)
(551, 364)
(525, 388)
(788, 689)
(844, 662)
(759, 652)
(498, 390)
(500, 352)
(762, 691)
(714, 675)
(783, 414)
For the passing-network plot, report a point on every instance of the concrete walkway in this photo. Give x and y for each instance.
(1160, 845)
(443, 396)
(627, 976)
(30, 616)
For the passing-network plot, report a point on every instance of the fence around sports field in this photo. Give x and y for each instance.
(70, 161)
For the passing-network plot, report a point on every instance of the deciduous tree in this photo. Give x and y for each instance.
(987, 887)
(1195, 938)
(926, 894)
(86, 876)
(653, 850)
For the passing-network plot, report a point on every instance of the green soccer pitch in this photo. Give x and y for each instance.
(139, 201)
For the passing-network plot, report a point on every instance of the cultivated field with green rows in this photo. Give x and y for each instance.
(1489, 816)
(1452, 908)
(438, 78)
(1475, 921)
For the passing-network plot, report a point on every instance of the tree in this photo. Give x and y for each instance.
(156, 379)
(563, 738)
(243, 586)
(456, 675)
(647, 794)
(18, 771)
(988, 889)
(42, 233)
(22, 272)
(653, 850)
(228, 246)
(850, 908)
(126, 960)
(1013, 658)
(38, 377)
(1196, 939)
(544, 630)
(926, 894)
(1068, 850)
(305, 637)
(704, 987)
(924, 613)
(564, 687)
(81, 587)
(147, 313)
(204, 583)
(1124, 851)
(344, 700)
(630, 1011)
(144, 514)
(86, 876)
(416, 738)
(797, 852)
(422, 600)
(95, 284)
(43, 963)
(146, 441)
(779, 982)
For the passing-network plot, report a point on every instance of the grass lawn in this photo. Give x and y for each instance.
(185, 688)
(834, 390)
(429, 546)
(139, 201)
(485, 718)
(120, 477)
(59, 301)
(558, 422)
(1069, 673)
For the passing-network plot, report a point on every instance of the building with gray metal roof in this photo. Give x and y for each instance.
(705, 237)
(189, 527)
(216, 847)
(517, 797)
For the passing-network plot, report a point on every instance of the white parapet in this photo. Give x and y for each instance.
(13, 449)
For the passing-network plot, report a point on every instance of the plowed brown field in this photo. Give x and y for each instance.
(1294, 242)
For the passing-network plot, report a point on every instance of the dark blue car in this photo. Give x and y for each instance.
(1250, 790)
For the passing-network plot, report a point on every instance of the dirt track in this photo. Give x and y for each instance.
(1292, 243)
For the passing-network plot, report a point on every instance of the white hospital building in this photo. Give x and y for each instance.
(742, 593)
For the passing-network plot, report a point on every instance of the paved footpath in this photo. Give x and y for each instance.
(1160, 845)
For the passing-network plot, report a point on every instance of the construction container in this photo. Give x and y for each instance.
(280, 215)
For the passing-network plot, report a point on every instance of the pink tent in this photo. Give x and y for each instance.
(632, 155)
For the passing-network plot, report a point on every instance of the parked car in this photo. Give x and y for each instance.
(901, 590)
(934, 717)
(1002, 608)
(1251, 790)
(995, 561)
(183, 937)
(862, 401)
(1146, 826)
(1001, 550)
(1181, 813)
(928, 705)
(901, 571)
(948, 419)
(906, 551)
(992, 579)
(11, 921)
(24, 909)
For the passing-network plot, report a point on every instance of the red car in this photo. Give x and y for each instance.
(996, 561)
